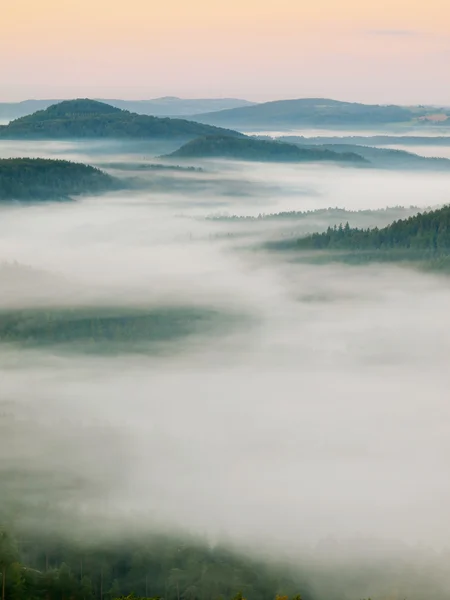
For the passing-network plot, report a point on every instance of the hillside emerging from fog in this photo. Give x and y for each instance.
(428, 230)
(89, 119)
(321, 112)
(29, 179)
(251, 149)
(423, 237)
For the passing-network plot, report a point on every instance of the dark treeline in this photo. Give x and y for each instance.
(424, 231)
(30, 179)
(423, 239)
(252, 149)
(339, 213)
(44, 567)
(84, 118)
(110, 329)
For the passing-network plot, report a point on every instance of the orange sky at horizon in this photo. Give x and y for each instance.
(397, 50)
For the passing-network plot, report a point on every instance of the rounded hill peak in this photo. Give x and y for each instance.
(79, 106)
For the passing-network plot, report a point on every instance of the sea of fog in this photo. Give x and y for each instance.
(318, 411)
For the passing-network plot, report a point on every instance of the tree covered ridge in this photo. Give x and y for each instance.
(424, 231)
(247, 148)
(42, 179)
(84, 118)
(46, 568)
(70, 109)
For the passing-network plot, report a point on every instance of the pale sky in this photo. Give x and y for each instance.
(362, 50)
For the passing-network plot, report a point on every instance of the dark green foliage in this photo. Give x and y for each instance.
(259, 150)
(423, 239)
(41, 179)
(83, 118)
(155, 567)
(106, 329)
(425, 231)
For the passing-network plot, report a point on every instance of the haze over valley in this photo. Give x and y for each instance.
(223, 342)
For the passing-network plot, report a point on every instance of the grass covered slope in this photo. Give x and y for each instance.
(84, 118)
(30, 179)
(252, 149)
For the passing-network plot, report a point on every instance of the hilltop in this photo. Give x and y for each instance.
(30, 179)
(84, 118)
(167, 106)
(252, 149)
(319, 112)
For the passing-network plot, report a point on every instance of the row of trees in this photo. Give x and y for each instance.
(45, 179)
(43, 567)
(424, 231)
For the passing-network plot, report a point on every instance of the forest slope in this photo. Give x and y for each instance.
(84, 118)
(30, 179)
(252, 149)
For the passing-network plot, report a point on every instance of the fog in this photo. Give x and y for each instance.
(312, 404)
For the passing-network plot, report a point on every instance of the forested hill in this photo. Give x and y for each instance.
(84, 118)
(30, 179)
(252, 149)
(39, 567)
(425, 231)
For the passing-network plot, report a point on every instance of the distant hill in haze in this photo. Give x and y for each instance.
(84, 118)
(252, 149)
(382, 158)
(32, 179)
(159, 107)
(319, 112)
(371, 140)
(178, 107)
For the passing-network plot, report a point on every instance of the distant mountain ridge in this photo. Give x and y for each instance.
(167, 106)
(320, 112)
(89, 119)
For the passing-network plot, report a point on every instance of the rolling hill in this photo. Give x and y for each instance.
(316, 112)
(158, 107)
(84, 118)
(33, 179)
(252, 149)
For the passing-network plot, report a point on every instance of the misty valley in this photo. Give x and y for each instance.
(223, 352)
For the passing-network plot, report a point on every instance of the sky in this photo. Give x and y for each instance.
(370, 51)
